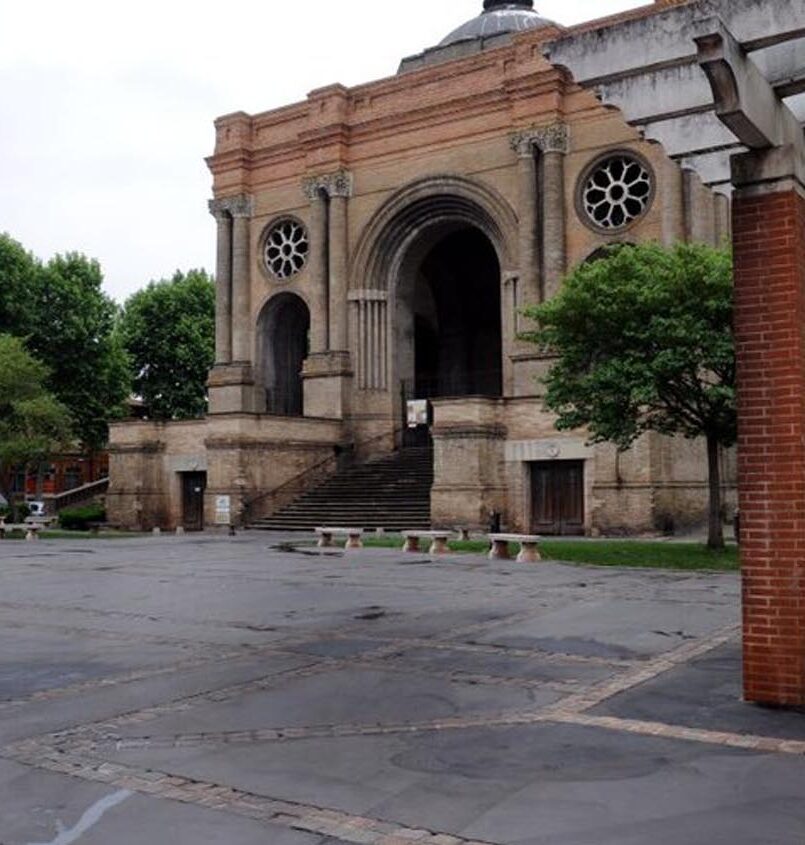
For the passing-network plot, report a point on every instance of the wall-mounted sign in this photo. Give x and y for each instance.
(417, 413)
(223, 510)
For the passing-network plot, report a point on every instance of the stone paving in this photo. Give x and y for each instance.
(217, 690)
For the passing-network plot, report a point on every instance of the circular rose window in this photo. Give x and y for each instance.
(616, 191)
(286, 249)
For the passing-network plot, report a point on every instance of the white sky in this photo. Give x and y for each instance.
(106, 108)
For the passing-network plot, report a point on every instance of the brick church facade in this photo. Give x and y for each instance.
(376, 245)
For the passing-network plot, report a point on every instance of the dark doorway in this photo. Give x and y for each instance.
(193, 486)
(557, 497)
(457, 326)
(284, 328)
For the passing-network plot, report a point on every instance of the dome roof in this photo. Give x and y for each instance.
(498, 16)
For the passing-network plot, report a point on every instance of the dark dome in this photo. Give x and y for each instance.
(498, 16)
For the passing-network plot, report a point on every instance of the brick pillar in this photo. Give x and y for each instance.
(769, 241)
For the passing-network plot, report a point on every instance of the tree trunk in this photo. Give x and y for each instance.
(715, 536)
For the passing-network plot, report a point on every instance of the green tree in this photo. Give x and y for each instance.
(644, 342)
(33, 424)
(74, 335)
(168, 330)
(67, 322)
(18, 283)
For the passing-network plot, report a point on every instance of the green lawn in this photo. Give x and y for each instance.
(635, 553)
(59, 534)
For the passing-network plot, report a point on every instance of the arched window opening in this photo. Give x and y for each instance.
(283, 333)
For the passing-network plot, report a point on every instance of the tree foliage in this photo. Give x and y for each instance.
(18, 281)
(68, 323)
(33, 424)
(168, 330)
(644, 342)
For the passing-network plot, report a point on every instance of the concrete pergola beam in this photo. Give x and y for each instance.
(745, 100)
(667, 39)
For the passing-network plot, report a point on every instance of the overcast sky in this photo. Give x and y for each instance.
(106, 108)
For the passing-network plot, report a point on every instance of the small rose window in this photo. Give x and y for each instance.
(286, 249)
(616, 191)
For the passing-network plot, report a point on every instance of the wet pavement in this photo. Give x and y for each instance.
(215, 690)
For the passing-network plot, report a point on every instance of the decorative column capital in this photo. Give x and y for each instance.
(238, 206)
(547, 139)
(338, 184)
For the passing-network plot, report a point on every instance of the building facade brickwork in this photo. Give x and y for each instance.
(378, 243)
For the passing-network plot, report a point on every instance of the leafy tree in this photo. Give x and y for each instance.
(644, 342)
(33, 423)
(67, 322)
(18, 283)
(168, 330)
(74, 334)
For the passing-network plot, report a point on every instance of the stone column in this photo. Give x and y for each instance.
(340, 191)
(223, 284)
(554, 142)
(231, 382)
(316, 192)
(327, 372)
(523, 143)
(722, 215)
(769, 248)
(241, 210)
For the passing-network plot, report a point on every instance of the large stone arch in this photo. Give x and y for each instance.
(423, 204)
(395, 241)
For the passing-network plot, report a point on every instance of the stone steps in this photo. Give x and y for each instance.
(391, 493)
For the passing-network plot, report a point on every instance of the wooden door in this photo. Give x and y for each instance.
(557, 497)
(193, 487)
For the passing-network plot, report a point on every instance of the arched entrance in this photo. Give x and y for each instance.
(450, 287)
(428, 311)
(282, 333)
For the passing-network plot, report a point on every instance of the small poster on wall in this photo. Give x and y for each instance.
(223, 510)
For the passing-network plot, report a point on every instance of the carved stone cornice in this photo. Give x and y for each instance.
(547, 139)
(239, 206)
(338, 184)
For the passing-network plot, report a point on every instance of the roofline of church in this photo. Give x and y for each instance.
(543, 35)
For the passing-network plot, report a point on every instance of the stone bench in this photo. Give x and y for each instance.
(31, 529)
(438, 541)
(529, 547)
(353, 536)
(97, 527)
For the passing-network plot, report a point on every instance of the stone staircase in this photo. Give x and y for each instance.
(391, 493)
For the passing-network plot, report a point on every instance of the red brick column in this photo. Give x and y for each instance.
(769, 240)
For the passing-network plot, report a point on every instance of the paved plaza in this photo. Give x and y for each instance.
(239, 691)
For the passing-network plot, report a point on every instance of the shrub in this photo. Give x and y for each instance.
(78, 519)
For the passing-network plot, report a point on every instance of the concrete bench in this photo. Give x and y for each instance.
(31, 530)
(438, 541)
(529, 547)
(353, 536)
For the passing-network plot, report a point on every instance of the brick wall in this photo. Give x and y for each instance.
(769, 238)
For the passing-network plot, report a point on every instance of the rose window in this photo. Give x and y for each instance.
(286, 248)
(616, 192)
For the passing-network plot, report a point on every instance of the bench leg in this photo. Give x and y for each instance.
(439, 546)
(464, 535)
(31, 536)
(354, 541)
(529, 553)
(411, 545)
(500, 550)
(325, 541)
